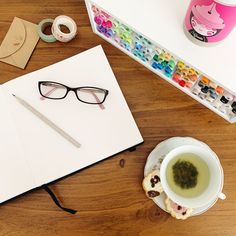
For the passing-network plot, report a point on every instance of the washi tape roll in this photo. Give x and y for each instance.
(68, 23)
(42, 26)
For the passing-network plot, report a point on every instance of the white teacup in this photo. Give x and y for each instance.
(214, 189)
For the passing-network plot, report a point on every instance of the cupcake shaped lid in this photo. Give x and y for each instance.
(208, 16)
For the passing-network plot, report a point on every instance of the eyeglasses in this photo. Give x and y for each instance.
(86, 94)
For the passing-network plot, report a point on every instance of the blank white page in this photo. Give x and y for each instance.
(15, 174)
(102, 133)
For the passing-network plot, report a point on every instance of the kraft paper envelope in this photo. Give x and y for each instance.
(19, 43)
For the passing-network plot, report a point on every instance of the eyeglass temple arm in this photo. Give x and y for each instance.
(94, 95)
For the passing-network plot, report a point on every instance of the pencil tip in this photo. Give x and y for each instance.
(13, 95)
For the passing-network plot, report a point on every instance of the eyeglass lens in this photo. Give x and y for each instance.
(91, 95)
(53, 90)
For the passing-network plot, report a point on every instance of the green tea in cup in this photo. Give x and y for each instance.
(187, 175)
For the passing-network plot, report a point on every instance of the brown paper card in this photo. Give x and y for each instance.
(19, 43)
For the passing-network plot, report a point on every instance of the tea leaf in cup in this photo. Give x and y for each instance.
(185, 174)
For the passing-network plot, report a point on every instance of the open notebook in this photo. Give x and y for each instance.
(32, 154)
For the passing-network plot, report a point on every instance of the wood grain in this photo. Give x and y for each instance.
(109, 197)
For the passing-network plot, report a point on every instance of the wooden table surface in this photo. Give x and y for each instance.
(109, 198)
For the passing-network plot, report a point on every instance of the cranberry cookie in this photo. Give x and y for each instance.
(177, 211)
(152, 185)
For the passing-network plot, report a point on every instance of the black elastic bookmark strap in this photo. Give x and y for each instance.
(54, 198)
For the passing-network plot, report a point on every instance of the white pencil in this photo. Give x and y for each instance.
(47, 121)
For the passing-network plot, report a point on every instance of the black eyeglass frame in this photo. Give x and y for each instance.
(68, 89)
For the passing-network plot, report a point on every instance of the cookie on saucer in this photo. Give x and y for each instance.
(152, 184)
(177, 211)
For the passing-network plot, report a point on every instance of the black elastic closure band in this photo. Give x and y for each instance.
(56, 201)
(132, 149)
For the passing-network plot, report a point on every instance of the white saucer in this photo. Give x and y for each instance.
(156, 157)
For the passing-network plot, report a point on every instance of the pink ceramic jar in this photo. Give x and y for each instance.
(209, 21)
